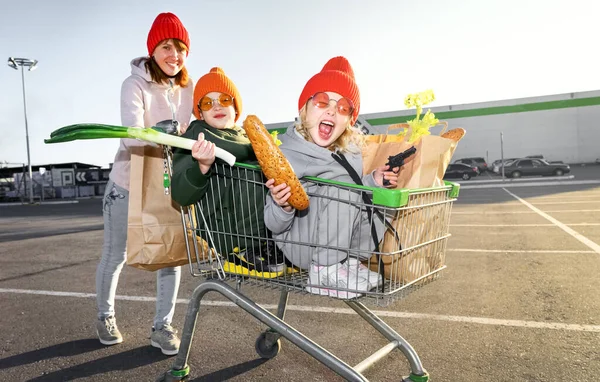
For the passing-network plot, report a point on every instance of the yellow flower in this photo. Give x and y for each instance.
(275, 139)
(419, 99)
(420, 126)
(427, 96)
(429, 119)
(409, 101)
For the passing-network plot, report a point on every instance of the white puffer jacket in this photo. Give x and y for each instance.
(144, 103)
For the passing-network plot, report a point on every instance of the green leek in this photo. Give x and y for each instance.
(98, 131)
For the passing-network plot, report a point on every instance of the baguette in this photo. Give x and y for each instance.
(272, 161)
(455, 134)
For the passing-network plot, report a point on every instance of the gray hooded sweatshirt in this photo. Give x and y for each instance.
(334, 224)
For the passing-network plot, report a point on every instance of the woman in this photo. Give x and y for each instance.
(157, 89)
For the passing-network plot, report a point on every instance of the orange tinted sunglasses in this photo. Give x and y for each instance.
(207, 103)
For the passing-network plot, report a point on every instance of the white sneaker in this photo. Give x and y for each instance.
(337, 276)
(374, 279)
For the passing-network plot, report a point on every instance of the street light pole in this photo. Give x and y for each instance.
(23, 62)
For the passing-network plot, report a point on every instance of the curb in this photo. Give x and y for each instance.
(531, 184)
(533, 179)
(39, 203)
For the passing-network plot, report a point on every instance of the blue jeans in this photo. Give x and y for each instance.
(115, 207)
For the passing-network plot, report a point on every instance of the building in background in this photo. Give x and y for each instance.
(50, 181)
(562, 127)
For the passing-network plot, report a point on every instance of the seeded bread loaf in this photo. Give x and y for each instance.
(272, 161)
(454, 134)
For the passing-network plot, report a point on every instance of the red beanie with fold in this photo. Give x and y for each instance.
(166, 26)
(336, 76)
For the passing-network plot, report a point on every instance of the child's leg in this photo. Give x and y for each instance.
(365, 230)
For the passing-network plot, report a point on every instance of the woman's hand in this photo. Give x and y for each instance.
(384, 172)
(204, 152)
(280, 194)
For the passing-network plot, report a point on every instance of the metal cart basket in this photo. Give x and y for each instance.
(228, 244)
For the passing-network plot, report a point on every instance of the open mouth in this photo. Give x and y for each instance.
(325, 129)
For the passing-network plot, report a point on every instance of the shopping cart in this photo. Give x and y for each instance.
(410, 254)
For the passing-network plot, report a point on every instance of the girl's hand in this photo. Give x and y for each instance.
(384, 172)
(204, 152)
(280, 194)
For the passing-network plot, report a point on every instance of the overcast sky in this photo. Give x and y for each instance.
(465, 50)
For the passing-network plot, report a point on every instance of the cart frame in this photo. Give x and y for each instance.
(268, 343)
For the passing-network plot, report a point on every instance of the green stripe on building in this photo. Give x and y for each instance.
(549, 105)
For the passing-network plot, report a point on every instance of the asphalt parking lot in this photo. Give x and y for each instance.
(518, 302)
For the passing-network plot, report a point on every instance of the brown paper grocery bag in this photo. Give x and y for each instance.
(155, 235)
(409, 259)
(424, 169)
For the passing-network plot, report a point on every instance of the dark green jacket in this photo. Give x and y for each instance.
(232, 199)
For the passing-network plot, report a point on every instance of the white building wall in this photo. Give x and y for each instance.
(571, 135)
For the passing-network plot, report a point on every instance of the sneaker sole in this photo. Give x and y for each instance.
(342, 295)
(105, 342)
(165, 352)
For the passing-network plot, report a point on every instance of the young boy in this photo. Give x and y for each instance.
(231, 199)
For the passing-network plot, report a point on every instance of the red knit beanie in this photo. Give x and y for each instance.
(166, 26)
(336, 76)
(217, 81)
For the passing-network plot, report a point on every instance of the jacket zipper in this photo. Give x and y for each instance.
(170, 94)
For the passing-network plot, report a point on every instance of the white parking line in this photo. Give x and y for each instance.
(324, 309)
(569, 202)
(464, 186)
(595, 247)
(515, 212)
(564, 196)
(522, 225)
(479, 250)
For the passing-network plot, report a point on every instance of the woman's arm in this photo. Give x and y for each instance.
(132, 110)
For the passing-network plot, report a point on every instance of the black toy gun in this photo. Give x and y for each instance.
(398, 161)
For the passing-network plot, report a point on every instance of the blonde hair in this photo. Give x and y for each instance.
(351, 140)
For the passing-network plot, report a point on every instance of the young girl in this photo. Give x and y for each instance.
(328, 108)
(232, 204)
(157, 89)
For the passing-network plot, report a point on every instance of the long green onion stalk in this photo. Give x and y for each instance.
(98, 131)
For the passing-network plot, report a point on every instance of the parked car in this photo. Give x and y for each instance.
(462, 171)
(474, 162)
(542, 157)
(496, 165)
(526, 167)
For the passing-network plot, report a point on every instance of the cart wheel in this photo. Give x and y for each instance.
(261, 347)
(417, 378)
(174, 375)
